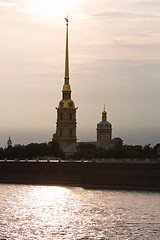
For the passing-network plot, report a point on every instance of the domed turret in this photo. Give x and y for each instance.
(9, 142)
(104, 130)
(104, 124)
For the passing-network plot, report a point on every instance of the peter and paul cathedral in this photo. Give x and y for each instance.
(66, 111)
(66, 118)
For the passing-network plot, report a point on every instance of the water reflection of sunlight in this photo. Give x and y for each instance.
(49, 205)
(50, 193)
(50, 212)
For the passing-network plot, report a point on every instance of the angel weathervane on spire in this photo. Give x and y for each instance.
(66, 19)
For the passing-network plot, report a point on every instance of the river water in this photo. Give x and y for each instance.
(52, 212)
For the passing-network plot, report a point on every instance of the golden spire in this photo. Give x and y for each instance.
(66, 55)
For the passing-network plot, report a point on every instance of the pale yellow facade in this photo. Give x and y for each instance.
(66, 126)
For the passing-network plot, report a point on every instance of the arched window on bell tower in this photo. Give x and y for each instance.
(70, 132)
(61, 116)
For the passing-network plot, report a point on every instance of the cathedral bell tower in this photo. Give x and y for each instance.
(66, 111)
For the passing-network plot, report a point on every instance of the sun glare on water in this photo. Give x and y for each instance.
(53, 7)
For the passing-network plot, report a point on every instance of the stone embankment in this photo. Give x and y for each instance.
(111, 174)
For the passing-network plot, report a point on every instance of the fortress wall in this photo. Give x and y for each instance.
(87, 174)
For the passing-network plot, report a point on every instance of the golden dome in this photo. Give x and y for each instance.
(66, 104)
(66, 87)
(104, 113)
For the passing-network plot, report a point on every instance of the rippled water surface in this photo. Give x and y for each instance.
(49, 212)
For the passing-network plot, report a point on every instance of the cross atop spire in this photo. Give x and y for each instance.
(104, 114)
(66, 77)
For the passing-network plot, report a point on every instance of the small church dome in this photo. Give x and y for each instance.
(9, 142)
(104, 125)
(66, 104)
(104, 113)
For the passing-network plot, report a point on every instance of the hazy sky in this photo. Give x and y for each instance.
(114, 60)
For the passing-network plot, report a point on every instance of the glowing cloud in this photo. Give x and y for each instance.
(53, 7)
(8, 4)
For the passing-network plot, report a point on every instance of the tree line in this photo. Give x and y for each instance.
(90, 151)
(32, 150)
(84, 151)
